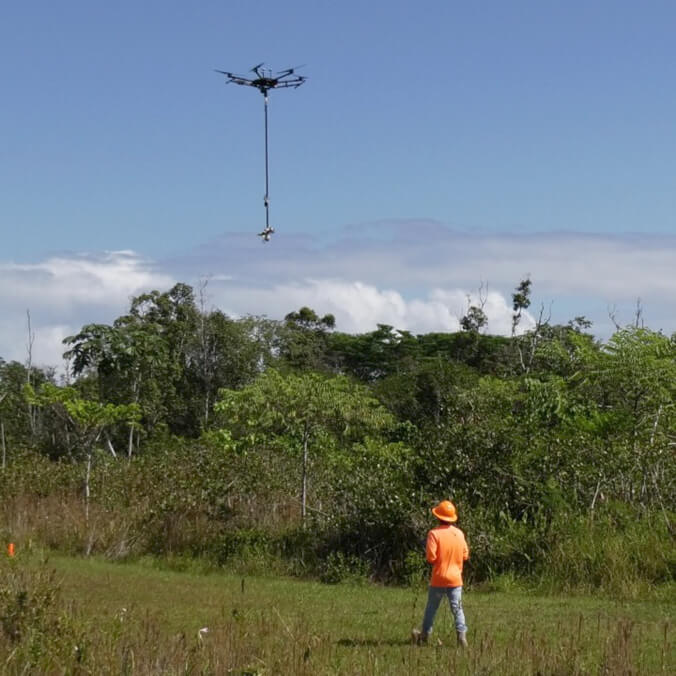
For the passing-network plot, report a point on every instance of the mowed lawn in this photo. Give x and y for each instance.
(261, 625)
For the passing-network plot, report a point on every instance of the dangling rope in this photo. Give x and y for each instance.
(266, 199)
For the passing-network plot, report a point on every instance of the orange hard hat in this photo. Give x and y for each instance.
(445, 511)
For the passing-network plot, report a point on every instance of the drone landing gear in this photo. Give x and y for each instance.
(265, 234)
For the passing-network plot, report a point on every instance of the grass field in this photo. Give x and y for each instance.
(137, 618)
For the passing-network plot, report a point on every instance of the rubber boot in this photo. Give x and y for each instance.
(418, 637)
(462, 639)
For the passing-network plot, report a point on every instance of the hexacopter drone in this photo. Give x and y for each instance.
(264, 82)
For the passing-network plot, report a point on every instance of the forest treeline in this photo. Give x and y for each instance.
(290, 445)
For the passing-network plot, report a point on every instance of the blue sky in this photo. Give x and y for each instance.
(436, 146)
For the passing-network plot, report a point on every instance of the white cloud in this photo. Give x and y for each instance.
(360, 307)
(428, 255)
(68, 281)
(64, 292)
(412, 275)
(576, 273)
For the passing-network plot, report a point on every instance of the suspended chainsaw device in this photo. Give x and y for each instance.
(264, 82)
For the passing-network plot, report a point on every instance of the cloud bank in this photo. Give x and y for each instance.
(413, 275)
(64, 292)
(360, 307)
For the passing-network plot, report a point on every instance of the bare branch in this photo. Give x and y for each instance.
(612, 313)
(638, 314)
(29, 367)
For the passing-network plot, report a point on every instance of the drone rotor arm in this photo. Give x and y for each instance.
(296, 82)
(237, 79)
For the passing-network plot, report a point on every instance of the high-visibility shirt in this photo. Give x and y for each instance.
(446, 550)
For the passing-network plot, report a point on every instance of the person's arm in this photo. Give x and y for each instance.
(432, 549)
(465, 551)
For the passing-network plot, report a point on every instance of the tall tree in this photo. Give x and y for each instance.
(225, 353)
(304, 339)
(142, 357)
(19, 421)
(520, 302)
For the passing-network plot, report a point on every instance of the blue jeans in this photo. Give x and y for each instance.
(434, 596)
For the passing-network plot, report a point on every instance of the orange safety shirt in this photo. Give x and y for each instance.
(446, 550)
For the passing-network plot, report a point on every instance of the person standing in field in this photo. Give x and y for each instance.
(446, 549)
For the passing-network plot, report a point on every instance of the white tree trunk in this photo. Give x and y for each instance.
(87, 477)
(303, 501)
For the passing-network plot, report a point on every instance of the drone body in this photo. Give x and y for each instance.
(264, 82)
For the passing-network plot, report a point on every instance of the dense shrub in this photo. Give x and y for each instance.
(367, 527)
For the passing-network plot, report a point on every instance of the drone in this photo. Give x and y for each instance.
(264, 82)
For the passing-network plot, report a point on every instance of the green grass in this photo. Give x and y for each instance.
(138, 618)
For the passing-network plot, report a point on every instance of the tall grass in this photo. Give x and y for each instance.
(614, 553)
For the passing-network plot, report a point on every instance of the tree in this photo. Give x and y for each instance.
(374, 355)
(520, 301)
(304, 415)
(127, 358)
(142, 358)
(84, 421)
(527, 344)
(474, 320)
(170, 358)
(486, 353)
(19, 422)
(225, 353)
(626, 393)
(304, 339)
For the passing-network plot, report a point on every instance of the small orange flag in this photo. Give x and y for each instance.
(10, 549)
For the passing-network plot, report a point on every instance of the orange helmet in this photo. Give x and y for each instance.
(445, 511)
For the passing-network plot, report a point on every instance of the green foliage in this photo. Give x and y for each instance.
(20, 422)
(339, 567)
(83, 420)
(474, 320)
(306, 415)
(256, 432)
(520, 301)
(618, 552)
(304, 339)
(37, 634)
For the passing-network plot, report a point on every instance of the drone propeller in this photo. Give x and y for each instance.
(255, 68)
(290, 71)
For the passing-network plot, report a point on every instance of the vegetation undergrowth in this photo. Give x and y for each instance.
(619, 552)
(191, 522)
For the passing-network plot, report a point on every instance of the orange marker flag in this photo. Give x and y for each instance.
(10, 549)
